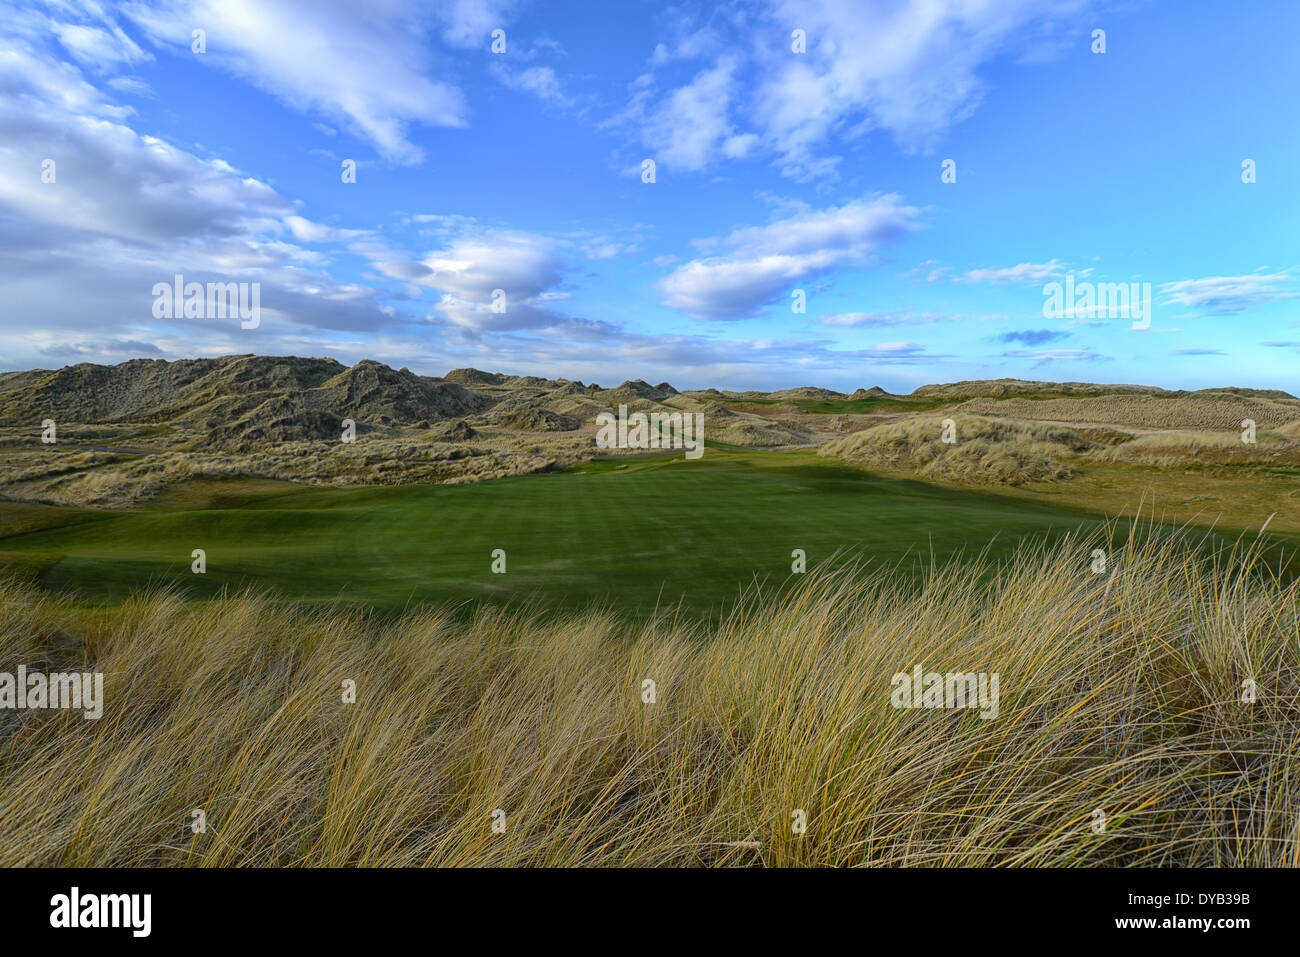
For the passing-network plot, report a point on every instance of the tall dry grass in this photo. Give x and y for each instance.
(984, 450)
(1119, 691)
(1183, 448)
(1217, 411)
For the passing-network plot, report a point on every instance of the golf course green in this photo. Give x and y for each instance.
(633, 534)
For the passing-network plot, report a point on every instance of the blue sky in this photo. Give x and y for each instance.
(775, 171)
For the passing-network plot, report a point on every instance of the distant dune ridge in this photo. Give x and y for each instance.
(286, 417)
(224, 392)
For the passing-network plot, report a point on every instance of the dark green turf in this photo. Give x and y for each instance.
(630, 533)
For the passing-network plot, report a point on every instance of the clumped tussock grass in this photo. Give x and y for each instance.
(112, 481)
(1180, 410)
(1119, 691)
(998, 388)
(1167, 449)
(986, 450)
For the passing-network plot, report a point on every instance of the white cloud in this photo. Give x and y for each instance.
(757, 264)
(132, 86)
(306, 231)
(928, 271)
(540, 81)
(1229, 295)
(469, 23)
(97, 47)
(31, 82)
(472, 261)
(910, 69)
(1044, 356)
(372, 74)
(80, 255)
(110, 181)
(475, 262)
(876, 320)
(690, 128)
(403, 269)
(896, 350)
(1024, 272)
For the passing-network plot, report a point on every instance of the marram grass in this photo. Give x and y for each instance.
(1120, 693)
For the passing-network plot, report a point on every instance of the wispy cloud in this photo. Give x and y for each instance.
(92, 246)
(1022, 273)
(1045, 356)
(374, 75)
(1230, 295)
(912, 70)
(541, 81)
(691, 127)
(1033, 337)
(927, 272)
(876, 320)
(757, 264)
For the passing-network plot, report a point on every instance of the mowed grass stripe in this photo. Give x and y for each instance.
(651, 532)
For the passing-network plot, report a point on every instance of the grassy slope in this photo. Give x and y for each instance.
(609, 530)
(655, 529)
(1226, 498)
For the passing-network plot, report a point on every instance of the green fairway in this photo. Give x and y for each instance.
(634, 533)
